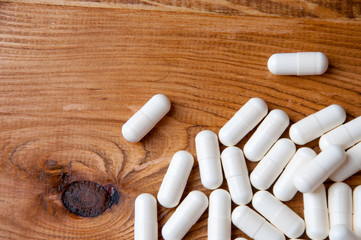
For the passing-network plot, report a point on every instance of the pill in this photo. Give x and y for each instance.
(235, 170)
(240, 239)
(219, 216)
(280, 215)
(243, 122)
(357, 211)
(301, 63)
(314, 125)
(319, 169)
(185, 216)
(340, 204)
(345, 135)
(146, 118)
(175, 180)
(351, 166)
(285, 189)
(145, 218)
(342, 232)
(272, 164)
(209, 161)
(254, 225)
(266, 135)
(316, 213)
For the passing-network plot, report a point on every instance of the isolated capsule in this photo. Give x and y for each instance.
(357, 211)
(185, 216)
(280, 215)
(240, 239)
(285, 189)
(243, 122)
(145, 218)
(219, 217)
(345, 135)
(146, 118)
(235, 170)
(254, 225)
(209, 161)
(271, 166)
(340, 204)
(316, 213)
(314, 125)
(175, 180)
(301, 63)
(266, 135)
(342, 232)
(319, 169)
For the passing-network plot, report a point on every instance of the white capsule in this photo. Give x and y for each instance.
(301, 63)
(254, 225)
(285, 189)
(351, 166)
(235, 170)
(209, 161)
(146, 118)
(316, 213)
(314, 125)
(175, 180)
(342, 232)
(319, 169)
(345, 135)
(357, 211)
(243, 122)
(145, 218)
(340, 204)
(185, 216)
(271, 166)
(219, 217)
(240, 239)
(266, 135)
(280, 215)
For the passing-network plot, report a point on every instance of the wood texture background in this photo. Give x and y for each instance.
(72, 72)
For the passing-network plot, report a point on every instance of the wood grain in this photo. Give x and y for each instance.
(72, 72)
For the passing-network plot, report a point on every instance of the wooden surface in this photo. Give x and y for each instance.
(72, 72)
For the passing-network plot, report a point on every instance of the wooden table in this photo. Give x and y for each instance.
(72, 72)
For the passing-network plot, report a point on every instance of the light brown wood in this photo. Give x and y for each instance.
(72, 72)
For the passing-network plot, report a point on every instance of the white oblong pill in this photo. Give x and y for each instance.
(235, 170)
(146, 118)
(340, 204)
(145, 218)
(357, 211)
(301, 63)
(185, 216)
(243, 122)
(342, 232)
(266, 135)
(209, 161)
(285, 189)
(280, 215)
(345, 135)
(319, 169)
(314, 125)
(351, 166)
(316, 213)
(271, 166)
(175, 180)
(240, 239)
(219, 217)
(254, 225)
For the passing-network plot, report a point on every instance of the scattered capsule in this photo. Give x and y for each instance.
(314, 125)
(175, 180)
(285, 189)
(145, 218)
(271, 166)
(146, 118)
(254, 225)
(301, 63)
(185, 216)
(280, 215)
(266, 135)
(219, 217)
(209, 161)
(340, 204)
(342, 232)
(345, 135)
(319, 169)
(235, 170)
(357, 211)
(243, 122)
